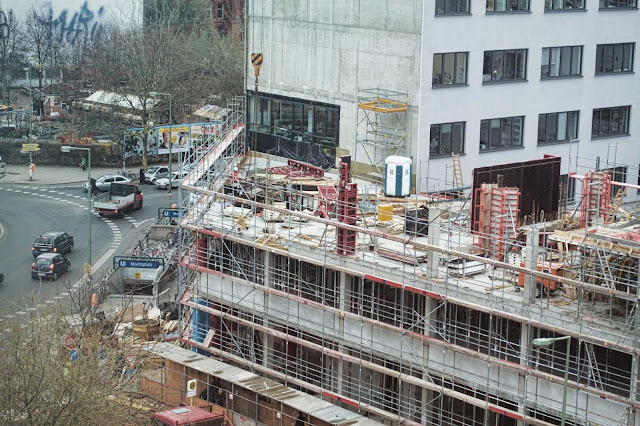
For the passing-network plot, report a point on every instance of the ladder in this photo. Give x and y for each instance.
(594, 370)
(615, 205)
(457, 174)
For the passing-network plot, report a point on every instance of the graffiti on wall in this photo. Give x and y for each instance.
(81, 26)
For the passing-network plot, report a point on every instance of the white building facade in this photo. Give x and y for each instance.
(474, 77)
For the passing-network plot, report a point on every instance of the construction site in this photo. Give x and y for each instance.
(341, 300)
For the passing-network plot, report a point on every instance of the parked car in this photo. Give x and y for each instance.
(103, 183)
(176, 179)
(156, 172)
(52, 242)
(50, 265)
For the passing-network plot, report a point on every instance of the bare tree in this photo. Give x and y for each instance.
(40, 40)
(42, 382)
(11, 52)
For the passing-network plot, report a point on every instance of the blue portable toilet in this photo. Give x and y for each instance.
(397, 176)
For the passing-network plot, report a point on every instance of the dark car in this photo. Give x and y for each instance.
(52, 242)
(50, 265)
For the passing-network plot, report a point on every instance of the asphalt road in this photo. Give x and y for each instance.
(26, 212)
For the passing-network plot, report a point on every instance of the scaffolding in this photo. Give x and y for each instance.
(319, 281)
(382, 125)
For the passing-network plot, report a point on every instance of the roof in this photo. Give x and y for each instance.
(116, 99)
(51, 233)
(186, 415)
(48, 255)
(213, 112)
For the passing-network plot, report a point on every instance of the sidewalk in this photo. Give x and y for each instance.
(51, 175)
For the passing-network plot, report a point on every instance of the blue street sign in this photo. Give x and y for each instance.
(130, 373)
(73, 355)
(150, 264)
(102, 354)
(173, 213)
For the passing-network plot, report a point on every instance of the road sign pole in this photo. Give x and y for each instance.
(30, 166)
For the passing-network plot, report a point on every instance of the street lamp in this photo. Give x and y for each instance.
(67, 148)
(546, 341)
(28, 70)
(156, 94)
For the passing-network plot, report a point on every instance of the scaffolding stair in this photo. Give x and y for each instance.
(615, 205)
(592, 367)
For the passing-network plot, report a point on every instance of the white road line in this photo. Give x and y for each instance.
(21, 312)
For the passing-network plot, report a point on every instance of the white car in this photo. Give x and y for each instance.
(176, 179)
(103, 183)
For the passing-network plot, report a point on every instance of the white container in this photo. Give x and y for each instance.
(397, 176)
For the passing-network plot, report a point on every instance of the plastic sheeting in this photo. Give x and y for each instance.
(306, 152)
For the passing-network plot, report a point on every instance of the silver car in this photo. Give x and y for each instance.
(176, 179)
(156, 172)
(103, 183)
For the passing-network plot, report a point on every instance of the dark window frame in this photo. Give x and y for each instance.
(439, 145)
(455, 67)
(547, 75)
(507, 4)
(614, 4)
(550, 6)
(220, 10)
(545, 118)
(570, 185)
(496, 145)
(605, 122)
(446, 10)
(601, 58)
(280, 125)
(500, 55)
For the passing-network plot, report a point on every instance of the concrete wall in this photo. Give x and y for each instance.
(478, 32)
(325, 50)
(471, 371)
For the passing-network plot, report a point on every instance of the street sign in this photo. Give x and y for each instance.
(73, 355)
(149, 264)
(87, 268)
(166, 212)
(191, 388)
(70, 341)
(102, 354)
(30, 147)
(131, 360)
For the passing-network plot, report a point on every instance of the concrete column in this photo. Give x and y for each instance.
(267, 339)
(531, 254)
(343, 282)
(434, 239)
(429, 412)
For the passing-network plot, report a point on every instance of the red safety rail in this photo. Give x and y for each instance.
(496, 213)
(297, 169)
(347, 211)
(596, 196)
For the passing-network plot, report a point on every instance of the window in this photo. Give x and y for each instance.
(499, 133)
(618, 174)
(504, 65)
(220, 10)
(561, 61)
(610, 122)
(612, 58)
(449, 68)
(563, 4)
(557, 127)
(507, 5)
(570, 186)
(618, 4)
(451, 7)
(447, 138)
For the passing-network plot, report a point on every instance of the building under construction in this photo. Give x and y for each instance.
(459, 308)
